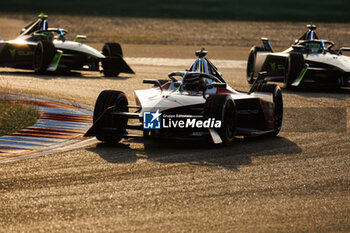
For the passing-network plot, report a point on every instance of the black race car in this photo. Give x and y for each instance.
(198, 105)
(310, 61)
(44, 49)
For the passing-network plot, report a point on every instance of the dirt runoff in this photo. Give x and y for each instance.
(179, 31)
(298, 181)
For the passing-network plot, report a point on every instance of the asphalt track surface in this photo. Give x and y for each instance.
(298, 181)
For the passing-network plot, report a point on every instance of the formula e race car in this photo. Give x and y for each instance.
(199, 105)
(310, 61)
(44, 49)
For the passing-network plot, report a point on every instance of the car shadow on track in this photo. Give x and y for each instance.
(196, 153)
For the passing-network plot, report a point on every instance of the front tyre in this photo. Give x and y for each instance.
(223, 108)
(112, 68)
(251, 63)
(295, 64)
(43, 55)
(119, 101)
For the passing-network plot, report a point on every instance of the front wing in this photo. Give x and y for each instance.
(314, 73)
(254, 115)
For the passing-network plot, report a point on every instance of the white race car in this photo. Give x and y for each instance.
(198, 105)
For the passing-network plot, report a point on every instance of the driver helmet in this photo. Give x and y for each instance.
(314, 47)
(194, 84)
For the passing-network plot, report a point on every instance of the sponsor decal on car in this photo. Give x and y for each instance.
(20, 52)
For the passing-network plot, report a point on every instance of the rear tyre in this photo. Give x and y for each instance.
(223, 108)
(251, 63)
(107, 99)
(277, 103)
(295, 64)
(43, 55)
(110, 67)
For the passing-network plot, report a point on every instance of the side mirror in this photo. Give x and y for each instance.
(297, 47)
(218, 85)
(345, 49)
(79, 37)
(155, 82)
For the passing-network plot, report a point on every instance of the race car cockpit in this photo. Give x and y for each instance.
(200, 75)
(310, 43)
(39, 29)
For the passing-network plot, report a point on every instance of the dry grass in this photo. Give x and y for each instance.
(16, 114)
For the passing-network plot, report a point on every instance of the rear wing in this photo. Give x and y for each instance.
(267, 45)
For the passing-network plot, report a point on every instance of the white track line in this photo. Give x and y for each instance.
(62, 147)
(157, 61)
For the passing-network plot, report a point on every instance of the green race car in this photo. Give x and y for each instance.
(43, 49)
